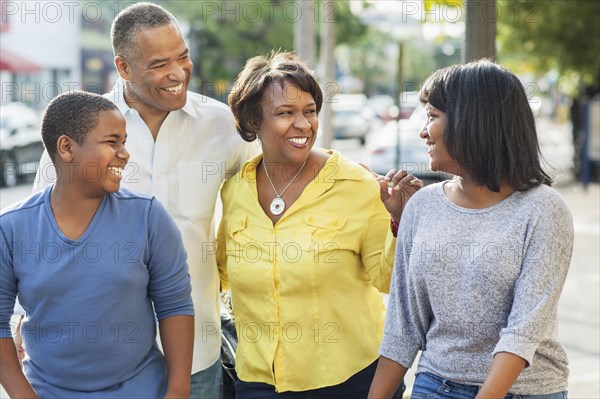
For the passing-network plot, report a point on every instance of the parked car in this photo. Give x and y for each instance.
(410, 155)
(408, 101)
(382, 106)
(351, 117)
(20, 143)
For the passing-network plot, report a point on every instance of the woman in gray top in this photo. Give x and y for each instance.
(481, 259)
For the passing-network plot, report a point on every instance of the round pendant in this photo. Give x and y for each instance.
(277, 206)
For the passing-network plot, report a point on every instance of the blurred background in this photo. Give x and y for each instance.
(371, 57)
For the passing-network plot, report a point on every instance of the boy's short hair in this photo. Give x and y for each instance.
(132, 20)
(73, 114)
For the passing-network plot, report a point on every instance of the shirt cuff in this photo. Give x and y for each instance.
(397, 349)
(517, 344)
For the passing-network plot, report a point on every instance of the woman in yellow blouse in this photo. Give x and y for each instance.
(304, 244)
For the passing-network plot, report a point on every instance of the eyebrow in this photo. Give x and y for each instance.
(163, 60)
(291, 105)
(114, 135)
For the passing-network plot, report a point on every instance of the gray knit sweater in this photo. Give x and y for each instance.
(469, 283)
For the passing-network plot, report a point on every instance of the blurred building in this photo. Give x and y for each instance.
(40, 50)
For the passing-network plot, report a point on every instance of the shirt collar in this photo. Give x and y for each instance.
(346, 169)
(117, 95)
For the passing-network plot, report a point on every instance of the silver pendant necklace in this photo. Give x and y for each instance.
(278, 205)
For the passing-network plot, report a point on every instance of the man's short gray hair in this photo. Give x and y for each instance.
(132, 20)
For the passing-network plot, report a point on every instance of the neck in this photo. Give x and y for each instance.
(73, 201)
(283, 172)
(152, 117)
(467, 194)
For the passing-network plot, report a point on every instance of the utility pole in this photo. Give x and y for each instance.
(304, 31)
(480, 37)
(328, 84)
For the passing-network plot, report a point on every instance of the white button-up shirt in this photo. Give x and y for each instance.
(196, 149)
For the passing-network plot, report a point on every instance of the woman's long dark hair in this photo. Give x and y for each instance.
(490, 128)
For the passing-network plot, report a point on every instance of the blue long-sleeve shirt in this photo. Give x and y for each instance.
(91, 304)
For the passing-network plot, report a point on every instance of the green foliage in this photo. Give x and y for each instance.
(224, 34)
(562, 34)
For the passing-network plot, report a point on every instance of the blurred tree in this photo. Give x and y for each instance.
(224, 34)
(373, 59)
(561, 34)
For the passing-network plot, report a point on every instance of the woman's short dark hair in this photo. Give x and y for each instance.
(490, 128)
(73, 114)
(259, 72)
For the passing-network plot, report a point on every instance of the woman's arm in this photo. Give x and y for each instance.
(503, 373)
(378, 243)
(177, 337)
(11, 375)
(387, 379)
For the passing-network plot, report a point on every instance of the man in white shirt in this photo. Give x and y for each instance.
(183, 146)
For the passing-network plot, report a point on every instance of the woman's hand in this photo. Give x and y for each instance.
(395, 188)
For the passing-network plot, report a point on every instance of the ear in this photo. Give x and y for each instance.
(122, 67)
(64, 148)
(254, 125)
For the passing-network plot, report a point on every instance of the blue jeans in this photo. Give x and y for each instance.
(431, 386)
(206, 384)
(356, 387)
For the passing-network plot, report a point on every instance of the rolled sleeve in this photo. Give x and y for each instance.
(378, 260)
(537, 290)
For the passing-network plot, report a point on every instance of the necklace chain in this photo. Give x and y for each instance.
(289, 184)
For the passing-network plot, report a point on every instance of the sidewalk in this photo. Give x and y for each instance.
(579, 307)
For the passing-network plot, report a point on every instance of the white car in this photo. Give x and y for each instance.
(20, 142)
(410, 154)
(351, 117)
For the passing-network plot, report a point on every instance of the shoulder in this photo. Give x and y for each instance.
(246, 174)
(544, 201)
(31, 203)
(125, 194)
(206, 105)
(130, 202)
(138, 205)
(339, 167)
(428, 193)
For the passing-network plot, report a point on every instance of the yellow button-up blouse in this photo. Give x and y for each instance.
(306, 291)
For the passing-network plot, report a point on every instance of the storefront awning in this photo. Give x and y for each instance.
(15, 63)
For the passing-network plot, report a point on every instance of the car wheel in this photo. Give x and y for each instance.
(362, 140)
(9, 173)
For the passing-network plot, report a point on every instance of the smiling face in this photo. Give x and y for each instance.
(98, 163)
(433, 133)
(289, 124)
(160, 74)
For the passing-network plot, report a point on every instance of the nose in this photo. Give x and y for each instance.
(301, 123)
(123, 154)
(423, 133)
(177, 72)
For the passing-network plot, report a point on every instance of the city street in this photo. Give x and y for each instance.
(579, 313)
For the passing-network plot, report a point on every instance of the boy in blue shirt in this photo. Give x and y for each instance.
(93, 267)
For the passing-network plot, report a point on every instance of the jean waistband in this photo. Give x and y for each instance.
(474, 389)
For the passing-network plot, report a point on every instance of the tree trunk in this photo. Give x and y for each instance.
(480, 38)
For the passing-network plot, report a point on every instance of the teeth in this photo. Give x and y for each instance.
(116, 171)
(298, 140)
(174, 89)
